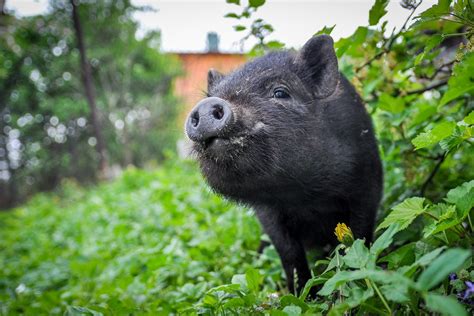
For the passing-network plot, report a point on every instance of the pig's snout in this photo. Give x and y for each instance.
(209, 118)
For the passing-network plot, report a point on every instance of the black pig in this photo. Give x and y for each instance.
(288, 135)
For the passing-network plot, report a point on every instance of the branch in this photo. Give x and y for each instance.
(390, 40)
(434, 86)
(433, 173)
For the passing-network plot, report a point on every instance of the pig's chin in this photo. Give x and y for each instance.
(219, 150)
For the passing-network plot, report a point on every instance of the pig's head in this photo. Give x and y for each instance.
(263, 128)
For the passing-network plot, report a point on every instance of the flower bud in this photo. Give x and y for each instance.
(344, 234)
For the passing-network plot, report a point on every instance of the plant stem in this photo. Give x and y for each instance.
(446, 237)
(382, 298)
(470, 222)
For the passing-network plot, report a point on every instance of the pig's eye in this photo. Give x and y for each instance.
(280, 94)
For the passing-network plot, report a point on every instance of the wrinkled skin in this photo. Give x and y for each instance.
(304, 159)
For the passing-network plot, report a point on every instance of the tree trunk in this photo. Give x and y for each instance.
(90, 92)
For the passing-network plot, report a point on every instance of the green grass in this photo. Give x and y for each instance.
(159, 243)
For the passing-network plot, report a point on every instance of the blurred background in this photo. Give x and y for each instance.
(120, 100)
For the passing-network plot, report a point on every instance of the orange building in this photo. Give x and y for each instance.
(192, 86)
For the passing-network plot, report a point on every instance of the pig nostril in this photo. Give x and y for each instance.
(195, 119)
(218, 112)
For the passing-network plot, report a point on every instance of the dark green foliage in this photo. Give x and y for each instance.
(153, 241)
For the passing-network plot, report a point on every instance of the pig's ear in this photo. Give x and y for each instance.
(213, 77)
(318, 64)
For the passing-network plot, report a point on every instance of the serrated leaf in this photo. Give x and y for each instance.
(351, 45)
(377, 11)
(469, 119)
(446, 305)
(449, 261)
(439, 132)
(454, 140)
(463, 197)
(446, 220)
(441, 8)
(404, 213)
(325, 30)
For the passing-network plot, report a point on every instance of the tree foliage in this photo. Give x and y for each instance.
(45, 132)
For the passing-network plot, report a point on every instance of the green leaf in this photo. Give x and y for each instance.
(290, 299)
(437, 10)
(234, 302)
(351, 45)
(357, 256)
(450, 261)
(469, 119)
(399, 257)
(232, 16)
(377, 11)
(237, 2)
(404, 213)
(429, 257)
(340, 278)
(81, 311)
(433, 136)
(391, 104)
(240, 280)
(447, 219)
(356, 296)
(384, 240)
(292, 310)
(463, 197)
(384, 277)
(432, 43)
(274, 45)
(237, 283)
(325, 30)
(455, 139)
(446, 305)
(254, 279)
(239, 28)
(256, 3)
(461, 81)
(310, 284)
(396, 292)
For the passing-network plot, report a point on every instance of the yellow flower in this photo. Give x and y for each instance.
(344, 234)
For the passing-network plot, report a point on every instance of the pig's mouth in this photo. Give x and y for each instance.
(221, 145)
(215, 141)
